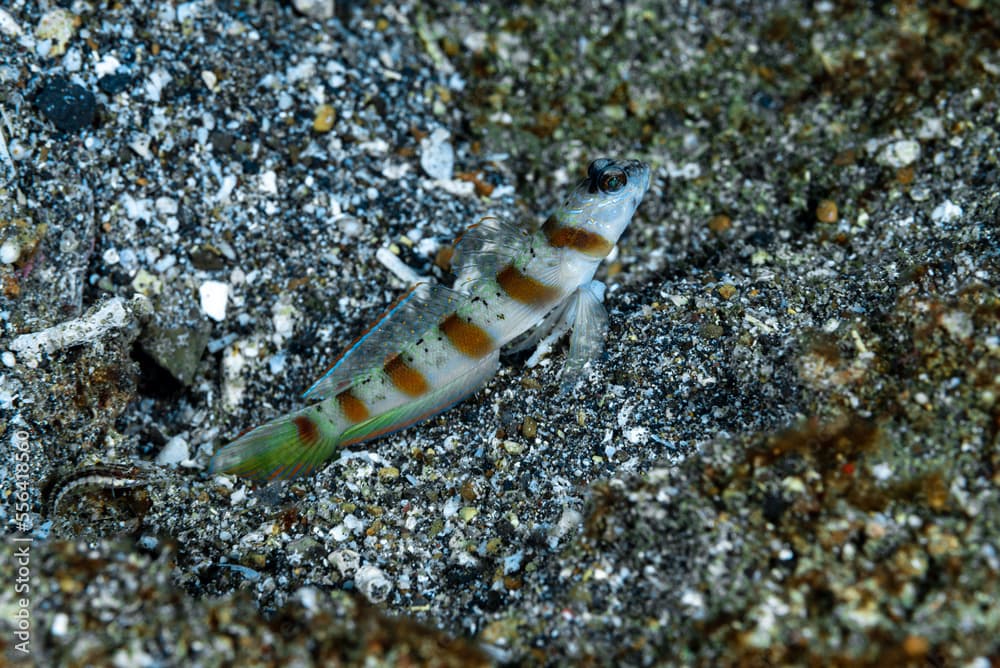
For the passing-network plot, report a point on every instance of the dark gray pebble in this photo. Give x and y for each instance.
(68, 106)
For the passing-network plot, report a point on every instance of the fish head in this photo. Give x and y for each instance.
(605, 201)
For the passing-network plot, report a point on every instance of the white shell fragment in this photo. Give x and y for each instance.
(900, 153)
(8, 25)
(402, 270)
(437, 157)
(946, 212)
(214, 295)
(316, 9)
(113, 314)
(373, 583)
(9, 252)
(174, 452)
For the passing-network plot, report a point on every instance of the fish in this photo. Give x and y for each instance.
(436, 345)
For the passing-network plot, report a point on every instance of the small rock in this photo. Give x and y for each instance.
(513, 447)
(8, 25)
(59, 25)
(720, 223)
(437, 157)
(324, 117)
(112, 84)
(900, 153)
(9, 252)
(826, 211)
(214, 295)
(177, 343)
(174, 452)
(315, 9)
(946, 212)
(68, 106)
(373, 583)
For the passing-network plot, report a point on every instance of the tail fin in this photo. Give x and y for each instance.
(291, 446)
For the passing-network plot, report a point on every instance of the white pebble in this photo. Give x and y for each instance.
(276, 363)
(72, 61)
(8, 358)
(174, 452)
(512, 563)
(137, 209)
(349, 226)
(107, 65)
(637, 435)
(946, 212)
(238, 496)
(437, 157)
(269, 183)
(164, 263)
(346, 561)
(187, 10)
(900, 153)
(213, 299)
(8, 25)
(317, 9)
(128, 259)
(60, 624)
(18, 150)
(229, 182)
(9, 252)
(392, 262)
(959, 324)
(283, 316)
(373, 583)
(209, 79)
(882, 471)
(167, 206)
(154, 85)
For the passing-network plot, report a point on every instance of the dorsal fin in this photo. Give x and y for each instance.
(416, 311)
(485, 247)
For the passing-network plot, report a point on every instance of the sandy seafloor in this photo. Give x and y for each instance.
(788, 454)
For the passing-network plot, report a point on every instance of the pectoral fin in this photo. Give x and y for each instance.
(584, 313)
(590, 324)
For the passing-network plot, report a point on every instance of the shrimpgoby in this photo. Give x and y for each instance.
(438, 345)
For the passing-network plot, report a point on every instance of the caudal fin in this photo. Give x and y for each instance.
(289, 447)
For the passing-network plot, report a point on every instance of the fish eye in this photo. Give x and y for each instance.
(612, 181)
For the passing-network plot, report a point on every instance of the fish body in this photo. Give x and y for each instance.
(437, 345)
